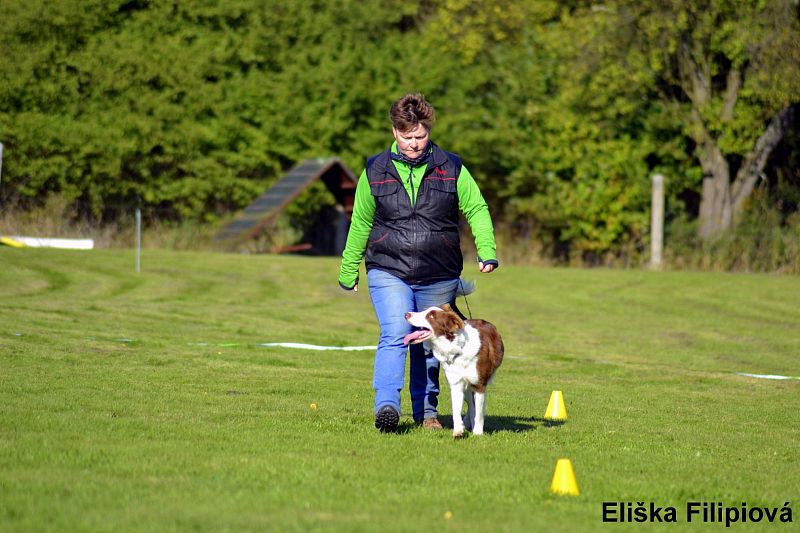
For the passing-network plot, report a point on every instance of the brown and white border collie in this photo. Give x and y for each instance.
(470, 351)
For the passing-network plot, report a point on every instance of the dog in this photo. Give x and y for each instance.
(470, 352)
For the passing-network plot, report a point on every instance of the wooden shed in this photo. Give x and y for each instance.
(328, 232)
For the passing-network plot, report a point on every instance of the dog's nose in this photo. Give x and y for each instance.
(408, 315)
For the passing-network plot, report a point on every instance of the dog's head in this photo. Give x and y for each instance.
(433, 322)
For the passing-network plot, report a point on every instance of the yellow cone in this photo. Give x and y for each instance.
(564, 481)
(556, 410)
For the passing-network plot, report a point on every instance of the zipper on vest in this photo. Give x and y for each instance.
(411, 182)
(413, 203)
(414, 254)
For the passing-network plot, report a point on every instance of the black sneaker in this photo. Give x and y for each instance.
(386, 419)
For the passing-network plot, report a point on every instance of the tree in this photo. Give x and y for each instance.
(560, 128)
(189, 109)
(731, 69)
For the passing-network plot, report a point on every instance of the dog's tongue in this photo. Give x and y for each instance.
(414, 335)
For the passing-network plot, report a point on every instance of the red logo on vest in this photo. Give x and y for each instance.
(441, 174)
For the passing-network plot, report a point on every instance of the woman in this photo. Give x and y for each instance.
(405, 219)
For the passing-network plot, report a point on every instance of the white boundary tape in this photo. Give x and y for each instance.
(299, 345)
(41, 242)
(315, 347)
(764, 376)
(302, 346)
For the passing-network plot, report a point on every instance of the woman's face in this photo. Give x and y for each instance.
(412, 143)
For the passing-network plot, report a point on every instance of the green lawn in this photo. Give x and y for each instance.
(144, 401)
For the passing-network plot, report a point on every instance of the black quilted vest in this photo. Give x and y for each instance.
(418, 243)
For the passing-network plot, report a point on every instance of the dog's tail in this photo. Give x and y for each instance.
(465, 287)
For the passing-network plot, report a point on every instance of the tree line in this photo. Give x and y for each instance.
(563, 110)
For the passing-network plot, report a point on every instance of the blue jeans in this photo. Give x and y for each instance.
(391, 298)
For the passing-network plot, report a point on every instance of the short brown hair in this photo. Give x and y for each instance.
(410, 110)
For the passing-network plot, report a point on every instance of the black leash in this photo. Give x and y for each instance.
(469, 311)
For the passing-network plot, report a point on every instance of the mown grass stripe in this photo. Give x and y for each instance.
(169, 433)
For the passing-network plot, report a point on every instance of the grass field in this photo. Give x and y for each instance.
(143, 402)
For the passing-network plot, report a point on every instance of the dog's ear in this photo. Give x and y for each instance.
(446, 307)
(452, 324)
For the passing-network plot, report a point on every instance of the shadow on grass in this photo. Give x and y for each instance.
(516, 424)
(492, 424)
(406, 426)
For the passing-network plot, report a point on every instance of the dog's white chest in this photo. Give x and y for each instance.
(457, 372)
(459, 357)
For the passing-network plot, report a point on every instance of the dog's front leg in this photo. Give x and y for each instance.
(480, 411)
(457, 399)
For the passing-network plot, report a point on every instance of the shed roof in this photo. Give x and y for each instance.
(339, 179)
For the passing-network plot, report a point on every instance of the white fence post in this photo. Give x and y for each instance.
(657, 222)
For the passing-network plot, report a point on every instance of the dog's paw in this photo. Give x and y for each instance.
(477, 431)
(458, 433)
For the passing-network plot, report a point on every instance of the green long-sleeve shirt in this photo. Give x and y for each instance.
(470, 202)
